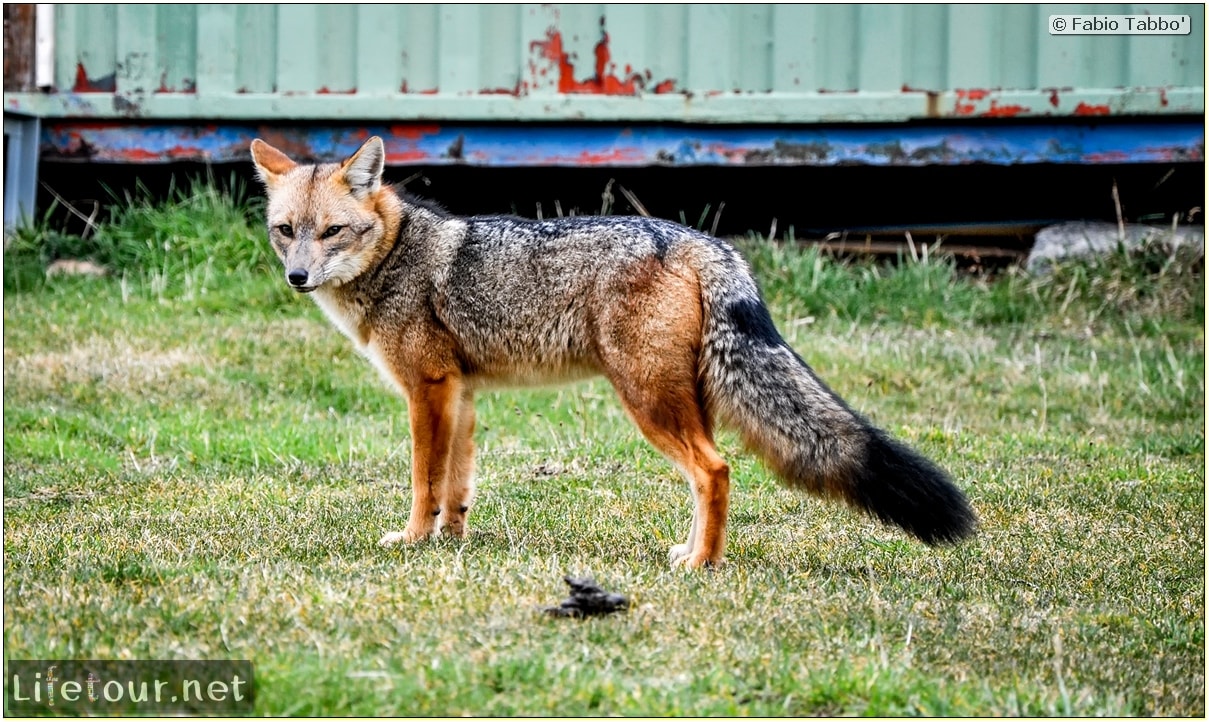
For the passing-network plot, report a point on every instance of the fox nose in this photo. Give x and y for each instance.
(297, 277)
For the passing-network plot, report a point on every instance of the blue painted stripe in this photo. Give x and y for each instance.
(637, 145)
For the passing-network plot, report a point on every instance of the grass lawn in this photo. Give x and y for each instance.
(197, 466)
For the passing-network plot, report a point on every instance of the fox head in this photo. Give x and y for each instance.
(327, 222)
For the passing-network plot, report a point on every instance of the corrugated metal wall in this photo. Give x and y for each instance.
(697, 63)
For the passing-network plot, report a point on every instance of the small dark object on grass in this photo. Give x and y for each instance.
(587, 599)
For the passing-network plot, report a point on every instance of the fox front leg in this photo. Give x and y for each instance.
(433, 407)
(459, 482)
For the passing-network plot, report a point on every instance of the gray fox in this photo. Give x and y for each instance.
(445, 306)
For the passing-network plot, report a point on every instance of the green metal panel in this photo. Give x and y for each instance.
(256, 43)
(736, 63)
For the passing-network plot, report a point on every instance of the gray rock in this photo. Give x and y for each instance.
(1083, 239)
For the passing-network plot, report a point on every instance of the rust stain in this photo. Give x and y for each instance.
(518, 90)
(187, 85)
(1163, 97)
(404, 89)
(1085, 109)
(604, 81)
(1053, 97)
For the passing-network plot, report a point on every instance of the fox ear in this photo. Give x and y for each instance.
(270, 162)
(363, 169)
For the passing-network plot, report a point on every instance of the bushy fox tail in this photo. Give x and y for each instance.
(754, 381)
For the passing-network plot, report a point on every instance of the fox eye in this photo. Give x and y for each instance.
(331, 231)
(286, 230)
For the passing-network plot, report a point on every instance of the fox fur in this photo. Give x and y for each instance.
(445, 306)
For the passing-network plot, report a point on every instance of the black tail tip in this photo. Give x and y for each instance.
(901, 487)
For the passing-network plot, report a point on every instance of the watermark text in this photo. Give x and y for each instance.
(128, 686)
(1120, 24)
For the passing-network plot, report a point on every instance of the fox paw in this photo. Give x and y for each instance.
(683, 557)
(677, 554)
(407, 536)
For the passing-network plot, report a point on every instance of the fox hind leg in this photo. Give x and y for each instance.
(681, 552)
(674, 424)
(651, 337)
(660, 394)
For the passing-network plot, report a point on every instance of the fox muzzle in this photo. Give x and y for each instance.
(299, 279)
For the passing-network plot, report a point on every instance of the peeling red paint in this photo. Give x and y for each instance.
(413, 132)
(618, 155)
(139, 154)
(182, 152)
(604, 81)
(1053, 97)
(1085, 109)
(325, 91)
(1174, 155)
(405, 156)
(84, 84)
(968, 99)
(1108, 156)
(1003, 111)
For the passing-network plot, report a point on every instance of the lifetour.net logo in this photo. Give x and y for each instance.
(112, 687)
